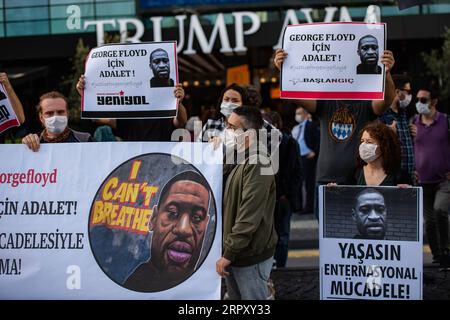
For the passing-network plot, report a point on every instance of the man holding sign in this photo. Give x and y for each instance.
(53, 110)
(340, 120)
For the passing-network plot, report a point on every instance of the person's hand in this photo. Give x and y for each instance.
(332, 184)
(403, 185)
(32, 142)
(4, 80)
(413, 130)
(221, 266)
(393, 126)
(388, 60)
(216, 142)
(179, 92)
(280, 55)
(311, 155)
(81, 84)
(447, 175)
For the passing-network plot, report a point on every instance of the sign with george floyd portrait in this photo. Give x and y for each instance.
(370, 243)
(133, 80)
(110, 221)
(8, 117)
(335, 60)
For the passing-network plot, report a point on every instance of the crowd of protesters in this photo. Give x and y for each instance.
(385, 144)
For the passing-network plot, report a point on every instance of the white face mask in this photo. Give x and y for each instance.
(56, 124)
(226, 108)
(423, 108)
(299, 118)
(367, 152)
(404, 103)
(229, 139)
(234, 140)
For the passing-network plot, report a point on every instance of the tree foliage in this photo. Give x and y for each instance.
(438, 65)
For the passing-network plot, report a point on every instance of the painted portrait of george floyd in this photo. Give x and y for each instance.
(176, 227)
(373, 213)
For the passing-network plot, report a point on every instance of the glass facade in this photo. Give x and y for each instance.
(44, 17)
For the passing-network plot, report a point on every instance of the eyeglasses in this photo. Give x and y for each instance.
(422, 99)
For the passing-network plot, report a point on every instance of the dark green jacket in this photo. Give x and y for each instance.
(248, 211)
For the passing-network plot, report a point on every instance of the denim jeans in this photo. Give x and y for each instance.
(249, 283)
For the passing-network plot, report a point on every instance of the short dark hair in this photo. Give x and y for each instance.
(432, 90)
(366, 36)
(275, 119)
(51, 95)
(365, 191)
(236, 88)
(400, 80)
(182, 176)
(254, 96)
(252, 117)
(156, 50)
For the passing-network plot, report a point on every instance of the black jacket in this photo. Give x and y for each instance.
(289, 177)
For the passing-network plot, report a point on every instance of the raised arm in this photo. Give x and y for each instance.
(309, 105)
(380, 106)
(108, 122)
(181, 118)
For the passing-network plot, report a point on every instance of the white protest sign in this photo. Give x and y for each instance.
(110, 221)
(133, 80)
(8, 117)
(336, 60)
(370, 243)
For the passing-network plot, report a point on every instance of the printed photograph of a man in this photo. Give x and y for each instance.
(178, 223)
(368, 52)
(369, 214)
(160, 65)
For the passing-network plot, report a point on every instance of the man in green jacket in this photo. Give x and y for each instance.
(249, 237)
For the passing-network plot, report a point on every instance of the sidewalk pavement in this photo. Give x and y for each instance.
(303, 283)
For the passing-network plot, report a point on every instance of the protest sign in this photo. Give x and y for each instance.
(133, 80)
(8, 117)
(110, 221)
(370, 243)
(335, 60)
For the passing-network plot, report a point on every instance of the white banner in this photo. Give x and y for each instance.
(335, 60)
(8, 117)
(133, 80)
(110, 221)
(370, 243)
